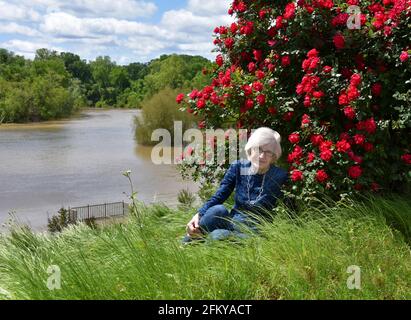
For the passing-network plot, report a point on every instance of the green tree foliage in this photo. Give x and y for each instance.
(54, 85)
(41, 90)
(172, 71)
(160, 111)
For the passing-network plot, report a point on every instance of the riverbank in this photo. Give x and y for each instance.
(318, 255)
(74, 163)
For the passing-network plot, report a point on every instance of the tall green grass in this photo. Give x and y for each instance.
(295, 257)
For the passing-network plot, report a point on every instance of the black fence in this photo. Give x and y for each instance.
(99, 211)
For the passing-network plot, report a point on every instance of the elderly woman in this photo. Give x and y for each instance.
(257, 183)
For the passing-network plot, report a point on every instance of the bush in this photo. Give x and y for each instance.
(60, 221)
(186, 199)
(339, 96)
(160, 111)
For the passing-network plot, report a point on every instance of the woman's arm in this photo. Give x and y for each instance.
(270, 196)
(227, 186)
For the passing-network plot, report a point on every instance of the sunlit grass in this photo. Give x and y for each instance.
(304, 257)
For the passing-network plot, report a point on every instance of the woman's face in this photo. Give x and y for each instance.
(262, 157)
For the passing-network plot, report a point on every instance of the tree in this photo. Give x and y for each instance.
(339, 95)
(78, 68)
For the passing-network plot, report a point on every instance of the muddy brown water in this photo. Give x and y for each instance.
(76, 162)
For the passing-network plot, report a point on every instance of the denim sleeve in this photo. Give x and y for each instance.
(269, 200)
(227, 186)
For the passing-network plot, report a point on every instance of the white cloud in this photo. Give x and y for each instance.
(187, 21)
(93, 28)
(209, 7)
(67, 25)
(124, 9)
(10, 11)
(14, 28)
(27, 48)
(145, 45)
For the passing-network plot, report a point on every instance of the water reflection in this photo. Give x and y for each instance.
(78, 162)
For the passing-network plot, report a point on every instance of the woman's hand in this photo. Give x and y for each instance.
(193, 227)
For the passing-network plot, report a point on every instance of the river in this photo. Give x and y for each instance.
(78, 162)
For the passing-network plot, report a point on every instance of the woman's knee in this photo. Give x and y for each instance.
(215, 217)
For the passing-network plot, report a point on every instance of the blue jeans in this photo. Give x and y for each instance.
(220, 224)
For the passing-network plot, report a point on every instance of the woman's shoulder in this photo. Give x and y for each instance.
(280, 173)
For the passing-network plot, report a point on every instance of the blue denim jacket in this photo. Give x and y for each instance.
(237, 177)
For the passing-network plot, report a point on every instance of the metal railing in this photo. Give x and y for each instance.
(99, 211)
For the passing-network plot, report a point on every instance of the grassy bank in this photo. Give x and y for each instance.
(304, 257)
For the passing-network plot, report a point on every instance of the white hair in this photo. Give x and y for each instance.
(265, 136)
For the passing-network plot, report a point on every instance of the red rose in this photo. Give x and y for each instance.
(326, 155)
(307, 101)
(349, 112)
(285, 61)
(288, 116)
(310, 157)
(219, 60)
(321, 176)
(316, 139)
(258, 86)
(194, 94)
(343, 146)
(356, 159)
(318, 94)
(343, 99)
(368, 147)
(248, 28)
(376, 89)
(339, 41)
(262, 13)
(358, 186)
(180, 98)
(327, 69)
(272, 110)
(326, 145)
(234, 28)
(359, 139)
(258, 55)
(404, 56)
(345, 136)
(278, 25)
(305, 120)
(370, 126)
(247, 90)
(294, 138)
(356, 79)
(249, 104)
(289, 11)
(261, 99)
(251, 67)
(353, 93)
(272, 82)
(229, 42)
(201, 103)
(297, 175)
(312, 53)
(406, 158)
(241, 7)
(260, 74)
(355, 172)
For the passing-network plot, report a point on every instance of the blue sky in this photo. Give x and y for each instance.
(126, 30)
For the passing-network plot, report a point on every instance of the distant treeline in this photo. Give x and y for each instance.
(55, 85)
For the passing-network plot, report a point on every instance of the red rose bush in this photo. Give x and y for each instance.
(332, 77)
